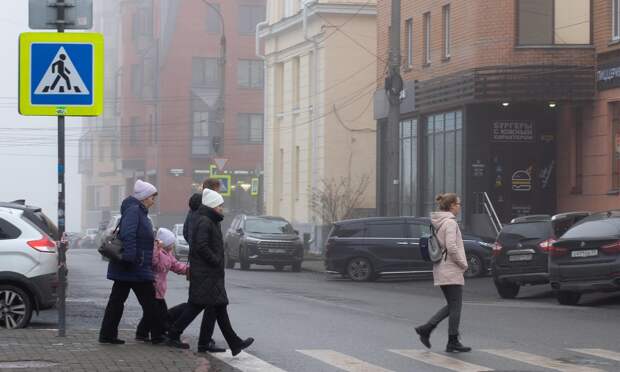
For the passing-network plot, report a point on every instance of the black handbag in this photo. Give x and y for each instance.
(112, 246)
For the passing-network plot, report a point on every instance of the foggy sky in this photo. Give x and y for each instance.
(28, 151)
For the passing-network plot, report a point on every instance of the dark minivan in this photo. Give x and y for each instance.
(364, 249)
(520, 255)
(263, 240)
(587, 258)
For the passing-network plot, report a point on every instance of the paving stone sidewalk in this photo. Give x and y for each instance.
(41, 350)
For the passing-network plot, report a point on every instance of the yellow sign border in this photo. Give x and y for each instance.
(225, 177)
(26, 108)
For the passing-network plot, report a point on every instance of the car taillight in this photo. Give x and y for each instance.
(497, 249)
(612, 248)
(547, 245)
(555, 251)
(44, 244)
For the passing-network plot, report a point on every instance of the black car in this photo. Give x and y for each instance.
(263, 240)
(520, 255)
(587, 258)
(364, 249)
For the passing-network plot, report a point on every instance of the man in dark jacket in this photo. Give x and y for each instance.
(195, 202)
(207, 290)
(134, 272)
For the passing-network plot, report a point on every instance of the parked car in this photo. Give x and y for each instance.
(36, 216)
(181, 249)
(263, 240)
(28, 265)
(520, 255)
(587, 258)
(364, 249)
(89, 240)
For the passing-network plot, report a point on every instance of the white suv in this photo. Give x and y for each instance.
(28, 266)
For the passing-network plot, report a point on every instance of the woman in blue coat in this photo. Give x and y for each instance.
(134, 272)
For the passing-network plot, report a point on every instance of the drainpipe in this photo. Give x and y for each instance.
(259, 54)
(313, 108)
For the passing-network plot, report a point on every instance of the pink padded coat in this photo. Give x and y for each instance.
(449, 271)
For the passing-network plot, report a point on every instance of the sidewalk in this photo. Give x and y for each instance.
(42, 350)
(312, 262)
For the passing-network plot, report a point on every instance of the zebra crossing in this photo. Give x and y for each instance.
(423, 360)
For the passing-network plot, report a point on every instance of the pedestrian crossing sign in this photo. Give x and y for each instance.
(60, 74)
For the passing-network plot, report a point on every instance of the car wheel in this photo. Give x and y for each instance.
(360, 269)
(475, 266)
(15, 307)
(230, 263)
(243, 260)
(568, 298)
(296, 267)
(278, 267)
(507, 290)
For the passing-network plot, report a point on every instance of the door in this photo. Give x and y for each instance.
(416, 230)
(387, 240)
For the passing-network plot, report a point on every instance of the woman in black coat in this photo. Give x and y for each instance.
(206, 288)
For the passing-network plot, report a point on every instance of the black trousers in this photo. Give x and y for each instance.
(162, 313)
(210, 315)
(145, 292)
(454, 299)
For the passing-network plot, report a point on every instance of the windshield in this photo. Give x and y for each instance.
(265, 226)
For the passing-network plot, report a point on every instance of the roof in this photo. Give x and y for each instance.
(378, 219)
(20, 205)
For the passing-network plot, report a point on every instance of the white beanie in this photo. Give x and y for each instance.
(142, 190)
(166, 237)
(212, 198)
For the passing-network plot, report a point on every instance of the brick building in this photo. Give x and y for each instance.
(494, 94)
(176, 128)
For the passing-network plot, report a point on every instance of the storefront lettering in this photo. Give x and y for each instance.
(513, 131)
(608, 78)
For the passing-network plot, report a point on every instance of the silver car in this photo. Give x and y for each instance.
(181, 246)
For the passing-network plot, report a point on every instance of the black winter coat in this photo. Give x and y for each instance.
(206, 259)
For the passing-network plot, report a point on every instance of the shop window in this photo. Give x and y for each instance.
(408, 167)
(553, 22)
(615, 125)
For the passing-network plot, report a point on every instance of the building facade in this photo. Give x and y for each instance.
(320, 63)
(493, 94)
(192, 101)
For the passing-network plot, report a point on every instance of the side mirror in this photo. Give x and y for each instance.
(296, 232)
(239, 231)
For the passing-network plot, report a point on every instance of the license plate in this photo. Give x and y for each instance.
(277, 250)
(586, 253)
(520, 257)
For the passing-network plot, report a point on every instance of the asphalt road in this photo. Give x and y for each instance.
(299, 318)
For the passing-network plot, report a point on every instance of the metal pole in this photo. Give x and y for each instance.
(62, 258)
(392, 152)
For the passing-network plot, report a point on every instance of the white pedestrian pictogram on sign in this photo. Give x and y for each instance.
(61, 77)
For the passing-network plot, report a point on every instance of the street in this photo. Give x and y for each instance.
(309, 322)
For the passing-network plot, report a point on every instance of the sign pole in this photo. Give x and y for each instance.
(62, 246)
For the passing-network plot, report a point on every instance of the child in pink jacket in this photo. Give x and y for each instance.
(163, 262)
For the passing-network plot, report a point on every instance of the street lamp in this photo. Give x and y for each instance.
(222, 82)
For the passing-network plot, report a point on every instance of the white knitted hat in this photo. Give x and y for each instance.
(212, 199)
(166, 237)
(142, 190)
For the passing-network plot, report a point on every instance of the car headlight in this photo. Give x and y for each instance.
(487, 245)
(250, 239)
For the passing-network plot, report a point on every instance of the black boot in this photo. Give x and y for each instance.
(424, 331)
(210, 347)
(455, 346)
(244, 344)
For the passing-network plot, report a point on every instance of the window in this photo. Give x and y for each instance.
(213, 19)
(427, 38)
(136, 80)
(409, 47)
(615, 20)
(8, 231)
(418, 230)
(387, 229)
(446, 31)
(90, 197)
(142, 23)
(443, 136)
(349, 230)
(297, 173)
(409, 167)
(281, 174)
(614, 109)
(296, 79)
(250, 128)
(249, 17)
(201, 143)
(205, 72)
(553, 22)
(133, 130)
(115, 197)
(577, 189)
(278, 82)
(250, 73)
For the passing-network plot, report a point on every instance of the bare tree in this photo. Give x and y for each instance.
(335, 200)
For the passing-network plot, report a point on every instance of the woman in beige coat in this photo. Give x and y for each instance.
(448, 273)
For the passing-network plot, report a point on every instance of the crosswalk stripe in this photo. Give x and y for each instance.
(343, 361)
(601, 353)
(540, 361)
(439, 360)
(246, 362)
